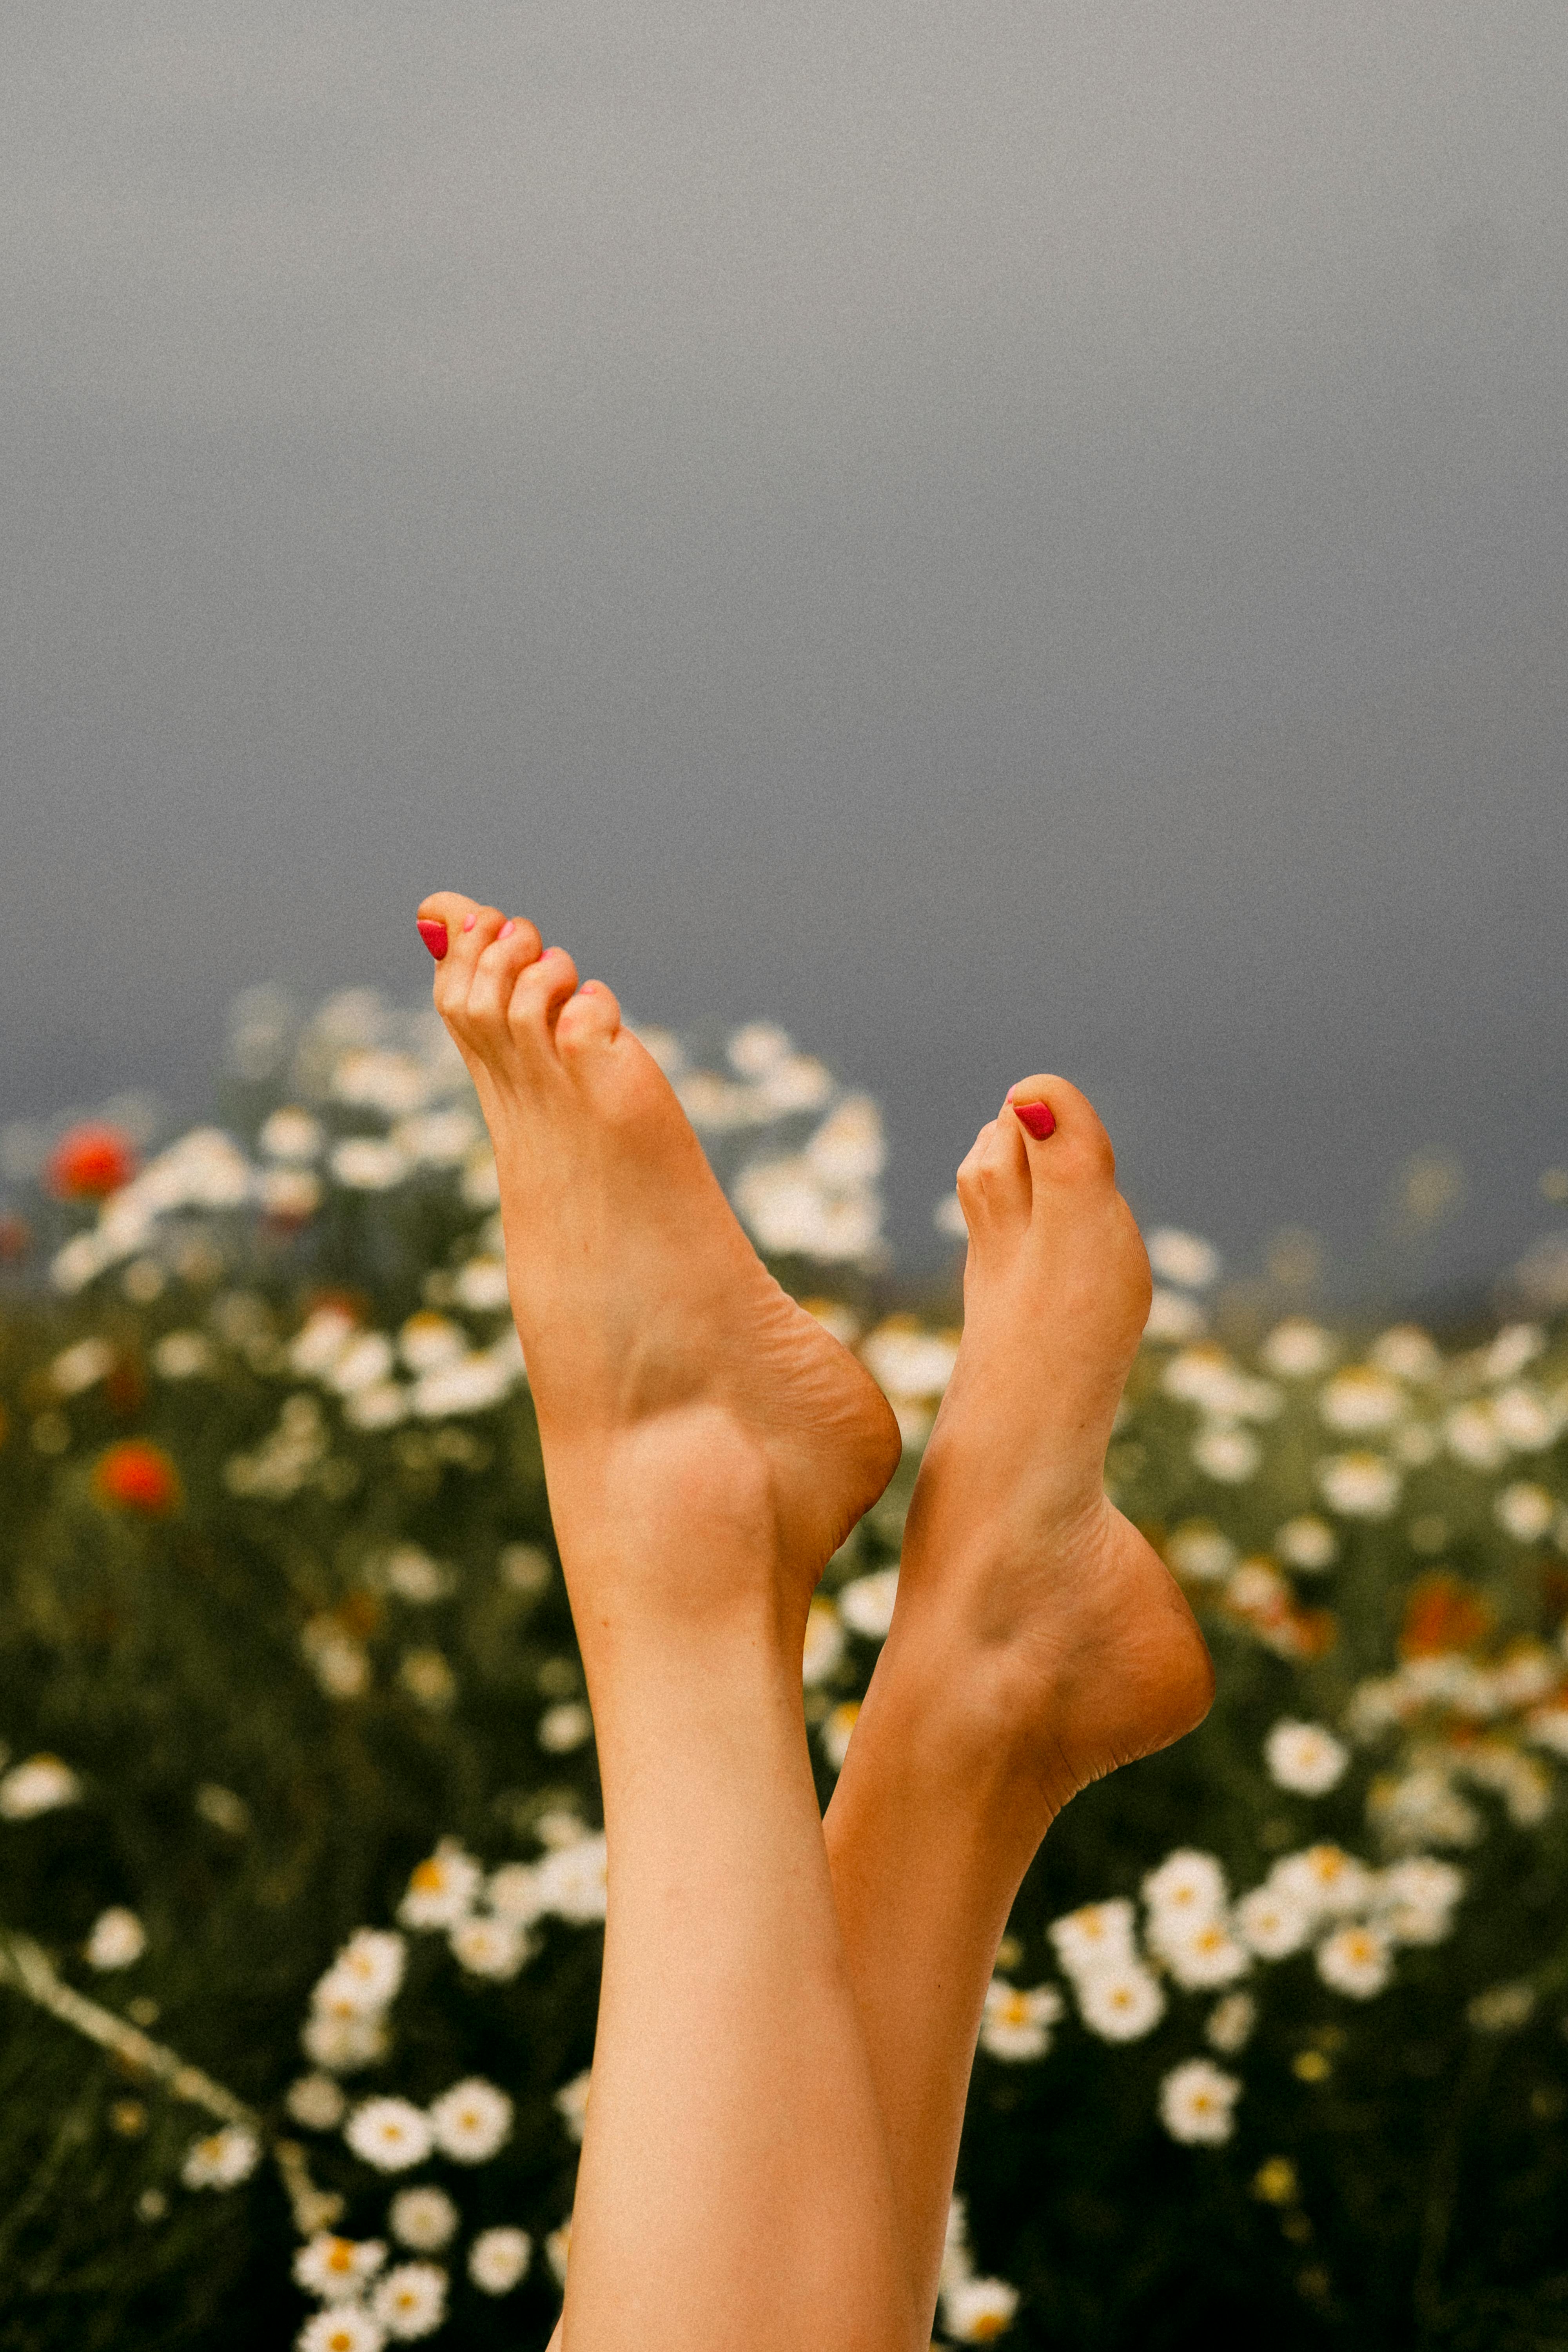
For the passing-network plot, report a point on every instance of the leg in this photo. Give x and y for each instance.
(707, 1445)
(1037, 1644)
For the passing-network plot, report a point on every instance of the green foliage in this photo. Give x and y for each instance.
(272, 1718)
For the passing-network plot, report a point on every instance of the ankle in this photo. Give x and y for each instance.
(961, 1725)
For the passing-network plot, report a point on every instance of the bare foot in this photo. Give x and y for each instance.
(695, 1421)
(1021, 1584)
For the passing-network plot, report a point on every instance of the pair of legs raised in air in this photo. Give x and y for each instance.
(790, 2004)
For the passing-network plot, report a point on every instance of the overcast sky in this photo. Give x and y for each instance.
(1005, 536)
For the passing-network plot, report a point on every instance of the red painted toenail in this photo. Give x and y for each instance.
(434, 938)
(468, 921)
(506, 930)
(1039, 1118)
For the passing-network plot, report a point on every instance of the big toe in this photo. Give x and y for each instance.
(1061, 1132)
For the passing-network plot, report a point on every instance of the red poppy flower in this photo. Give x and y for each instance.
(136, 1476)
(90, 1162)
(1442, 1614)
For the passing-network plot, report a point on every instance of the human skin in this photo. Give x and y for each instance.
(790, 2006)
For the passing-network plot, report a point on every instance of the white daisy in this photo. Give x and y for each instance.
(571, 2103)
(1297, 1349)
(866, 1605)
(1096, 1936)
(366, 1973)
(347, 2328)
(424, 2218)
(525, 1569)
(837, 1730)
(1121, 2001)
(1361, 1399)
(367, 1164)
(473, 1384)
(428, 1342)
(343, 2043)
(1548, 1727)
(471, 2121)
(1423, 1808)
(1472, 1435)
(1406, 1353)
(572, 1880)
(415, 1576)
(1228, 1455)
(364, 1363)
(221, 2160)
(1174, 1320)
(290, 1133)
(498, 2259)
(381, 1406)
(978, 2310)
(1355, 1960)
(1199, 1553)
(391, 2134)
(906, 1360)
(442, 1889)
(1359, 1486)
(1205, 1375)
(437, 1138)
(1516, 1345)
(1414, 1900)
(317, 2102)
(557, 2247)
(1188, 1886)
(481, 1286)
(1185, 1259)
(1502, 2009)
(117, 1941)
(1271, 1924)
(1324, 1879)
(411, 2300)
(338, 2269)
(824, 1642)
(1231, 2022)
(1197, 2103)
(182, 1355)
(496, 1948)
(562, 1729)
(1307, 1543)
(1525, 1512)
(1525, 1419)
(40, 1785)
(1016, 2025)
(1201, 1954)
(1304, 1757)
(512, 1893)
(79, 1368)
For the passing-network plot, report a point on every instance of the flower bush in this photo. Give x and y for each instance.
(301, 1872)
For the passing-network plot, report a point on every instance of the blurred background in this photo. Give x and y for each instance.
(984, 539)
(1001, 537)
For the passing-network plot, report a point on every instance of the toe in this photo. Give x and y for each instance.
(1073, 1144)
(592, 1017)
(497, 971)
(994, 1188)
(470, 927)
(540, 992)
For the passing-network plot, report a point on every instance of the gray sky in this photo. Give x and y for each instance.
(1006, 537)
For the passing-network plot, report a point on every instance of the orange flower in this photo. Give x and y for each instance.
(1442, 1614)
(90, 1162)
(1315, 1632)
(136, 1476)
